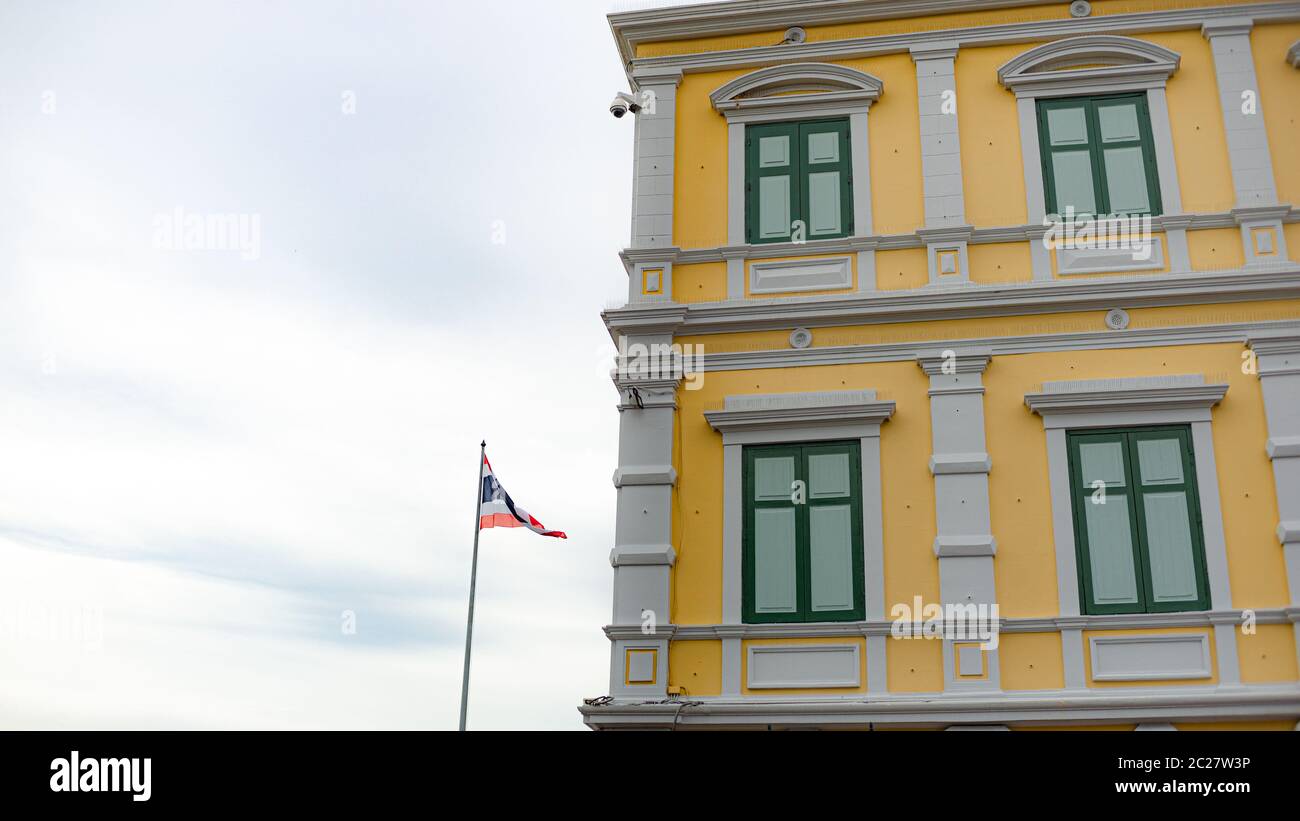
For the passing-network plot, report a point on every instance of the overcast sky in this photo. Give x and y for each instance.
(209, 454)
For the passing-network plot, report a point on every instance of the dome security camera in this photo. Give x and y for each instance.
(622, 104)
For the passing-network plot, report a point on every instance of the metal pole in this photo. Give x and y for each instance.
(473, 578)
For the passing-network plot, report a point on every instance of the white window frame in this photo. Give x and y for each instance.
(1115, 65)
(797, 418)
(1184, 399)
(794, 419)
(763, 96)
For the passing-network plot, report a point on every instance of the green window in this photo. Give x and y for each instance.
(803, 533)
(798, 173)
(1137, 519)
(1098, 156)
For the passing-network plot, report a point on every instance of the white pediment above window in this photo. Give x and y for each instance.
(1089, 65)
(796, 90)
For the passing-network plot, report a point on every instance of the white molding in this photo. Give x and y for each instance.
(683, 22)
(733, 524)
(642, 554)
(881, 627)
(1089, 64)
(1074, 261)
(1112, 397)
(788, 276)
(792, 669)
(820, 87)
(1147, 648)
(1029, 232)
(799, 417)
(926, 304)
(1178, 703)
(629, 475)
(999, 346)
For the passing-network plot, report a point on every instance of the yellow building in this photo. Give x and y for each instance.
(959, 382)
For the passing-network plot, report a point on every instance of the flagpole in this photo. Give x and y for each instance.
(473, 578)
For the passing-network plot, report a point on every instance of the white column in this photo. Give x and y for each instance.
(1256, 207)
(946, 231)
(643, 554)
(1277, 356)
(960, 464)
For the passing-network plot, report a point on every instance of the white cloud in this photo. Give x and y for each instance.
(222, 456)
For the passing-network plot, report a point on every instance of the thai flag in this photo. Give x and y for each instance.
(497, 509)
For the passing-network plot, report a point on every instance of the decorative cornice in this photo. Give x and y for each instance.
(968, 301)
(648, 319)
(1091, 61)
(1227, 26)
(943, 50)
(629, 475)
(949, 463)
(710, 19)
(768, 90)
(1102, 339)
(1288, 532)
(642, 554)
(1260, 213)
(771, 411)
(965, 546)
(951, 361)
(673, 23)
(1032, 624)
(1078, 706)
(1275, 342)
(1161, 393)
(917, 239)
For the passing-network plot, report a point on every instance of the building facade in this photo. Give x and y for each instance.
(959, 376)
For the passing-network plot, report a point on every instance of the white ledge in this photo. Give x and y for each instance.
(769, 411)
(1146, 393)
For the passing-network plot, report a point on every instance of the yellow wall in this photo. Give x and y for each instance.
(894, 125)
(1200, 147)
(700, 282)
(1268, 655)
(696, 666)
(1279, 96)
(993, 176)
(1031, 661)
(915, 665)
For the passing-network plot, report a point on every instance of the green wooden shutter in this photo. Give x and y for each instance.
(825, 174)
(1168, 519)
(1139, 545)
(1098, 155)
(802, 559)
(1069, 167)
(1125, 155)
(798, 171)
(771, 181)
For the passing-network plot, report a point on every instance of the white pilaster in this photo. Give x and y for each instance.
(960, 464)
(1277, 360)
